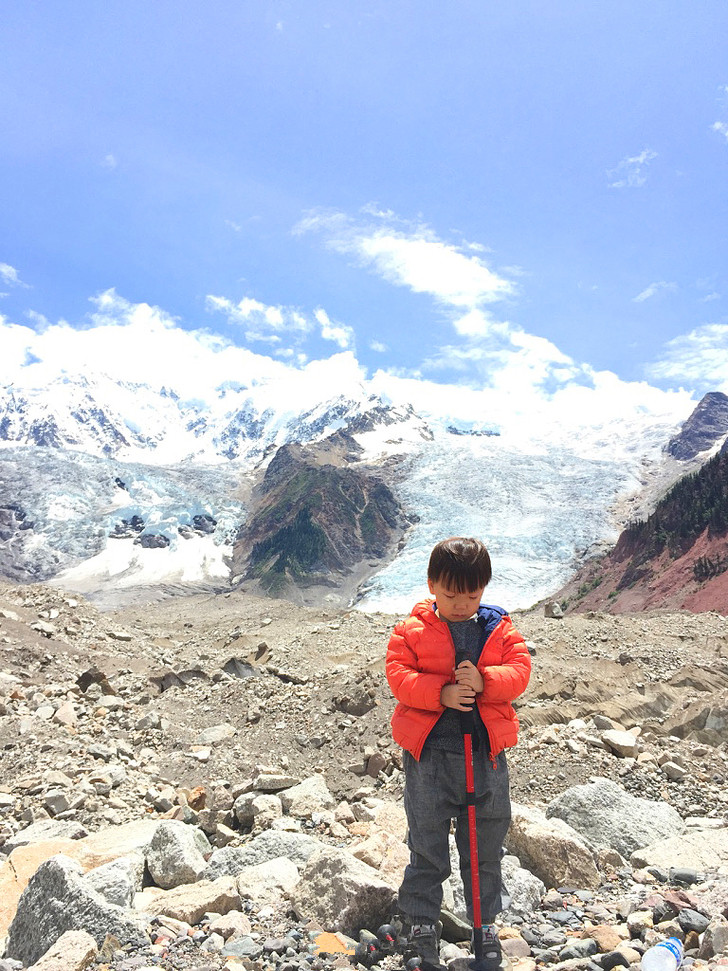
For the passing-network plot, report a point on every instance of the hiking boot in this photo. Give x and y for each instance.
(422, 942)
(492, 952)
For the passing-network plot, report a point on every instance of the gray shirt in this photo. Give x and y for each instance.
(467, 636)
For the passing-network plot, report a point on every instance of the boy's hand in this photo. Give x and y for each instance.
(458, 696)
(467, 673)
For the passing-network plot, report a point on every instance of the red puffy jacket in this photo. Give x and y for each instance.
(421, 660)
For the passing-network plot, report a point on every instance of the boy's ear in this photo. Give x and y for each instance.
(430, 585)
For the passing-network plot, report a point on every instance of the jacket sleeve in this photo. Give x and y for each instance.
(409, 685)
(508, 680)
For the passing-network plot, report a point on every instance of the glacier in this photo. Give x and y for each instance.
(82, 456)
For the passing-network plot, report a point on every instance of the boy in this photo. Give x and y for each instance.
(451, 655)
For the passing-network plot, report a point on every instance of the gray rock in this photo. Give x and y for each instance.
(579, 949)
(118, 880)
(46, 829)
(703, 849)
(692, 920)
(257, 809)
(56, 900)
(216, 733)
(175, 854)
(715, 939)
(523, 891)
(341, 892)
(231, 861)
(610, 818)
(308, 797)
(268, 883)
(242, 947)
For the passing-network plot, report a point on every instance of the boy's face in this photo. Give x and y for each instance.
(452, 605)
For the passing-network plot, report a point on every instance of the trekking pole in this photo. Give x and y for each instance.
(467, 725)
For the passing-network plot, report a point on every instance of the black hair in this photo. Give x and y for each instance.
(461, 563)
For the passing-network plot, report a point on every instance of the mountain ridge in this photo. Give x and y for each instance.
(677, 556)
(537, 499)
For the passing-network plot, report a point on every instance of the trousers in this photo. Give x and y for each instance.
(435, 793)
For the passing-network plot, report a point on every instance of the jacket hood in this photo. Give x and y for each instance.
(488, 614)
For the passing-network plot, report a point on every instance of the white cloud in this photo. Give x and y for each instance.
(630, 172)
(378, 346)
(652, 289)
(110, 161)
(9, 276)
(263, 322)
(697, 360)
(338, 333)
(129, 342)
(484, 351)
(272, 323)
(413, 256)
(722, 128)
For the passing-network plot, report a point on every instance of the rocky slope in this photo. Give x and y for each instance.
(258, 727)
(675, 554)
(320, 524)
(677, 558)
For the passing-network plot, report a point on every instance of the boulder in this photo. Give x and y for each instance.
(268, 883)
(522, 891)
(308, 797)
(620, 743)
(46, 829)
(551, 849)
(232, 860)
(702, 849)
(118, 880)
(610, 818)
(257, 809)
(342, 893)
(175, 853)
(715, 939)
(57, 900)
(190, 902)
(73, 951)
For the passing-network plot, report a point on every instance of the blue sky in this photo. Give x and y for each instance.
(465, 192)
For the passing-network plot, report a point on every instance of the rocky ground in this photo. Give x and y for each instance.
(204, 710)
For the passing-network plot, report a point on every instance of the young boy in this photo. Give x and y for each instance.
(454, 654)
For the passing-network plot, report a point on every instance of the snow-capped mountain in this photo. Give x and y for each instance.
(111, 484)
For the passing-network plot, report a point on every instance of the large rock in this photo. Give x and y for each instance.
(268, 883)
(58, 900)
(175, 854)
(118, 880)
(73, 951)
(46, 829)
(308, 797)
(342, 893)
(91, 851)
(610, 818)
(551, 849)
(521, 891)
(232, 860)
(700, 849)
(190, 902)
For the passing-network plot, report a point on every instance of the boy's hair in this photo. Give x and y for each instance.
(462, 563)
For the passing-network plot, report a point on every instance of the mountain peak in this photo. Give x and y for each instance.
(705, 427)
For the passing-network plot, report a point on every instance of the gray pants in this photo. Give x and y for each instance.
(435, 793)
